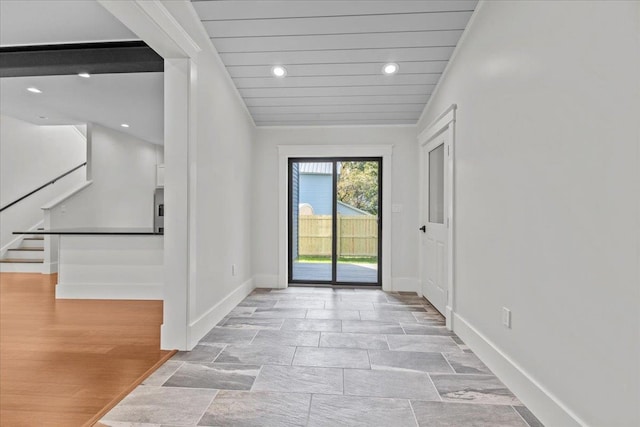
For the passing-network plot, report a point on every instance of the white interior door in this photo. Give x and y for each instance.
(435, 216)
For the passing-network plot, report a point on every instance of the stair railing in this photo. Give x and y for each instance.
(53, 181)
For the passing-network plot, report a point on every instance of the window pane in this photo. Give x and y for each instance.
(357, 221)
(312, 231)
(436, 185)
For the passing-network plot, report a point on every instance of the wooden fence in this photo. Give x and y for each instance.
(357, 235)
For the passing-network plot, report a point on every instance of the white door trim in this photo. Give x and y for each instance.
(287, 151)
(446, 121)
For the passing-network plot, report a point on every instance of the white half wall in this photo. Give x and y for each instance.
(110, 267)
(122, 169)
(547, 150)
(30, 156)
(404, 170)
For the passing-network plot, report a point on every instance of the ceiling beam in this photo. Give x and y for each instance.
(68, 59)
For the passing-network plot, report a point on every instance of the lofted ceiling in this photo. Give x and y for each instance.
(110, 100)
(334, 52)
(34, 22)
(106, 99)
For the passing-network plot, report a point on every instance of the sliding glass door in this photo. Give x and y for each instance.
(335, 221)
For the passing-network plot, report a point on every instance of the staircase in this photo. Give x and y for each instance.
(27, 257)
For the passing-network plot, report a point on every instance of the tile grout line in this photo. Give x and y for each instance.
(254, 337)
(255, 379)
(449, 363)
(413, 412)
(434, 387)
(309, 411)
(224, 347)
(402, 327)
(386, 338)
(520, 415)
(207, 407)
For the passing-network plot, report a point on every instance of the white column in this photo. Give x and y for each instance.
(175, 328)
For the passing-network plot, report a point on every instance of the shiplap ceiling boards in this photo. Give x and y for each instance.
(334, 52)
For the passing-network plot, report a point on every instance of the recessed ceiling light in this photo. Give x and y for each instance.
(279, 71)
(34, 90)
(84, 75)
(124, 125)
(390, 68)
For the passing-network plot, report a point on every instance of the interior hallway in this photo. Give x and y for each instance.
(65, 362)
(325, 357)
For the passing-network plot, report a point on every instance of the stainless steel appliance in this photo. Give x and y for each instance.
(158, 210)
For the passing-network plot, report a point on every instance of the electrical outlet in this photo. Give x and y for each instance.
(506, 317)
(63, 208)
(233, 269)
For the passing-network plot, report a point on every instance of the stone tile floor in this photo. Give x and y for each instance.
(325, 357)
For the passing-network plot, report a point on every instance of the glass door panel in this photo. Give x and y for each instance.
(335, 221)
(311, 215)
(436, 185)
(357, 211)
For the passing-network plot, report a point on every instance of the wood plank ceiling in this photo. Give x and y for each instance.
(334, 52)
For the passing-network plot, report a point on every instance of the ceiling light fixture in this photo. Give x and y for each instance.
(84, 75)
(390, 68)
(279, 71)
(124, 125)
(34, 90)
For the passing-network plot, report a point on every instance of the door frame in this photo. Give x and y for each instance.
(334, 282)
(445, 122)
(323, 151)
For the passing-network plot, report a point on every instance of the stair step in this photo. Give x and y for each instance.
(37, 244)
(26, 249)
(34, 238)
(25, 253)
(21, 261)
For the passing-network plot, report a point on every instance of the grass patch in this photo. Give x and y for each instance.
(347, 259)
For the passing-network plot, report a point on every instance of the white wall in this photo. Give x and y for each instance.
(123, 171)
(547, 192)
(223, 192)
(30, 156)
(265, 232)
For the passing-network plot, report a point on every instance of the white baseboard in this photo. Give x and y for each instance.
(137, 291)
(200, 327)
(405, 284)
(50, 267)
(19, 267)
(269, 281)
(547, 407)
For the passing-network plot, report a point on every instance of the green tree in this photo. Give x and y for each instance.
(358, 185)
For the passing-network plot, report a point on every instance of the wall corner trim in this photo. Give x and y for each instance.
(438, 125)
(266, 281)
(452, 59)
(405, 284)
(203, 324)
(534, 395)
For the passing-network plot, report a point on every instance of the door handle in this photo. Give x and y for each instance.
(423, 228)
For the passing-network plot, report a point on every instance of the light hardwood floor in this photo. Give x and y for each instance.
(65, 362)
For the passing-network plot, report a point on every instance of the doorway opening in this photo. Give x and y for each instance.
(335, 221)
